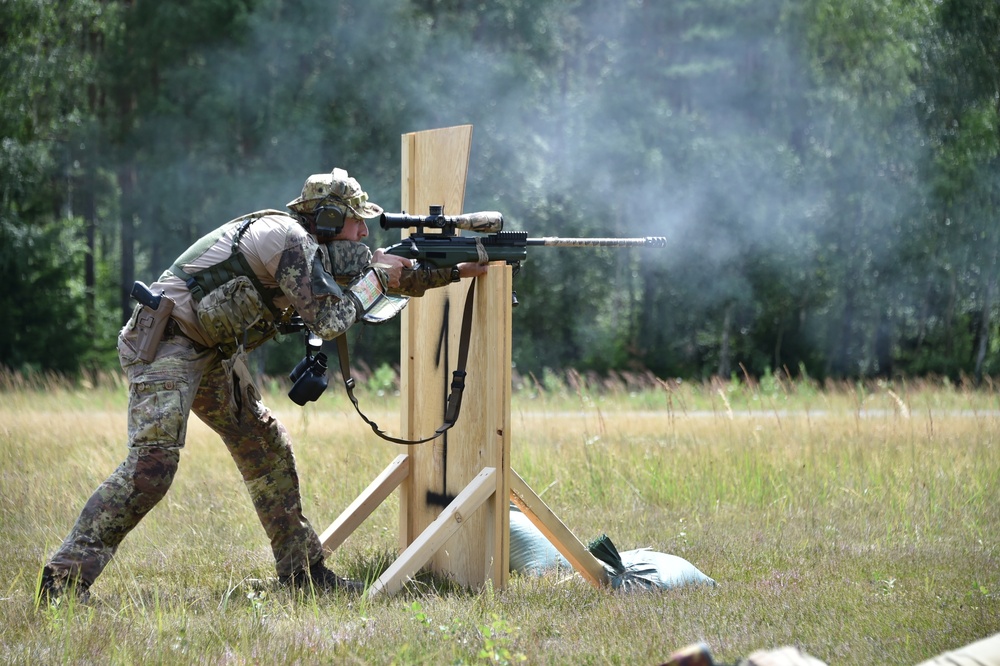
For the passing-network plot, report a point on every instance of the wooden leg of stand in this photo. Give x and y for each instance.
(376, 493)
(556, 532)
(416, 555)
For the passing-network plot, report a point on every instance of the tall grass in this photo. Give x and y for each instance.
(859, 521)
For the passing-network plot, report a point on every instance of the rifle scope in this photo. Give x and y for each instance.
(486, 222)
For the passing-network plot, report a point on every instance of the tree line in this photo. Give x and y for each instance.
(826, 172)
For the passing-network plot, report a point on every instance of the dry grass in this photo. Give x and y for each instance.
(859, 522)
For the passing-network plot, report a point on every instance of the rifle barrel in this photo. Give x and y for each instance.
(647, 241)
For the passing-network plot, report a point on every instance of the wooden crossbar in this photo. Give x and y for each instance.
(556, 532)
(369, 500)
(416, 555)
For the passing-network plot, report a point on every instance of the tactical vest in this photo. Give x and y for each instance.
(207, 280)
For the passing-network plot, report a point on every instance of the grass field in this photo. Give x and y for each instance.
(860, 522)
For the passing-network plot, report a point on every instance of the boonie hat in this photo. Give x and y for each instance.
(336, 187)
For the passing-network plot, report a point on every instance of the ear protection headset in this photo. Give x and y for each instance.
(328, 219)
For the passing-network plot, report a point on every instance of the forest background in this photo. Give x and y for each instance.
(826, 172)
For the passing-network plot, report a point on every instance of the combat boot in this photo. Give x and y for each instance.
(320, 578)
(54, 588)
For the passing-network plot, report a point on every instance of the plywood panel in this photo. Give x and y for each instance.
(434, 166)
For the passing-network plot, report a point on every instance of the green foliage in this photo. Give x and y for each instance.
(51, 315)
(495, 638)
(44, 325)
(383, 380)
(827, 172)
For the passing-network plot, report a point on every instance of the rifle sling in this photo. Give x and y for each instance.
(454, 404)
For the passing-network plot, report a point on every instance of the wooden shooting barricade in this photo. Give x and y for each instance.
(454, 514)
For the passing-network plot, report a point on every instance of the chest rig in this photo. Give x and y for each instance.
(231, 303)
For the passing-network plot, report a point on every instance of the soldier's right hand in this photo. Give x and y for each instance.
(392, 265)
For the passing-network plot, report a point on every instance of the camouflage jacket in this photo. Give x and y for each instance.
(306, 277)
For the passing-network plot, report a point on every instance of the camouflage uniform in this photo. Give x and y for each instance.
(192, 372)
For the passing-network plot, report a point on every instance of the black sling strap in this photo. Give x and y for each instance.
(454, 404)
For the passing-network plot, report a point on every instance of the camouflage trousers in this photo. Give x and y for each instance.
(186, 377)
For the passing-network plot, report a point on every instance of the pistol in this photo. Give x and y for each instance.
(141, 293)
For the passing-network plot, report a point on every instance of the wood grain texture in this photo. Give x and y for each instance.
(434, 166)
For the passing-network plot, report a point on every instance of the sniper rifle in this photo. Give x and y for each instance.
(442, 249)
(445, 248)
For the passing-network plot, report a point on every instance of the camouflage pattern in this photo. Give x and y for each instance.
(320, 304)
(348, 259)
(484, 222)
(186, 377)
(345, 260)
(414, 282)
(262, 449)
(338, 188)
(230, 309)
(160, 395)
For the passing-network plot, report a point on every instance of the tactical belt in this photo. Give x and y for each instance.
(174, 330)
(454, 403)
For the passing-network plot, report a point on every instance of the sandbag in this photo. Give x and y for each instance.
(663, 570)
(645, 569)
(531, 553)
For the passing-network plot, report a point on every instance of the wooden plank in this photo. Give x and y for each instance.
(369, 500)
(556, 532)
(455, 515)
(434, 172)
(490, 403)
(434, 167)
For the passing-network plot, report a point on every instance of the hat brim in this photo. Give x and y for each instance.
(366, 212)
(299, 205)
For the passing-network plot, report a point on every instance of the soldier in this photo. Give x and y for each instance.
(230, 291)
